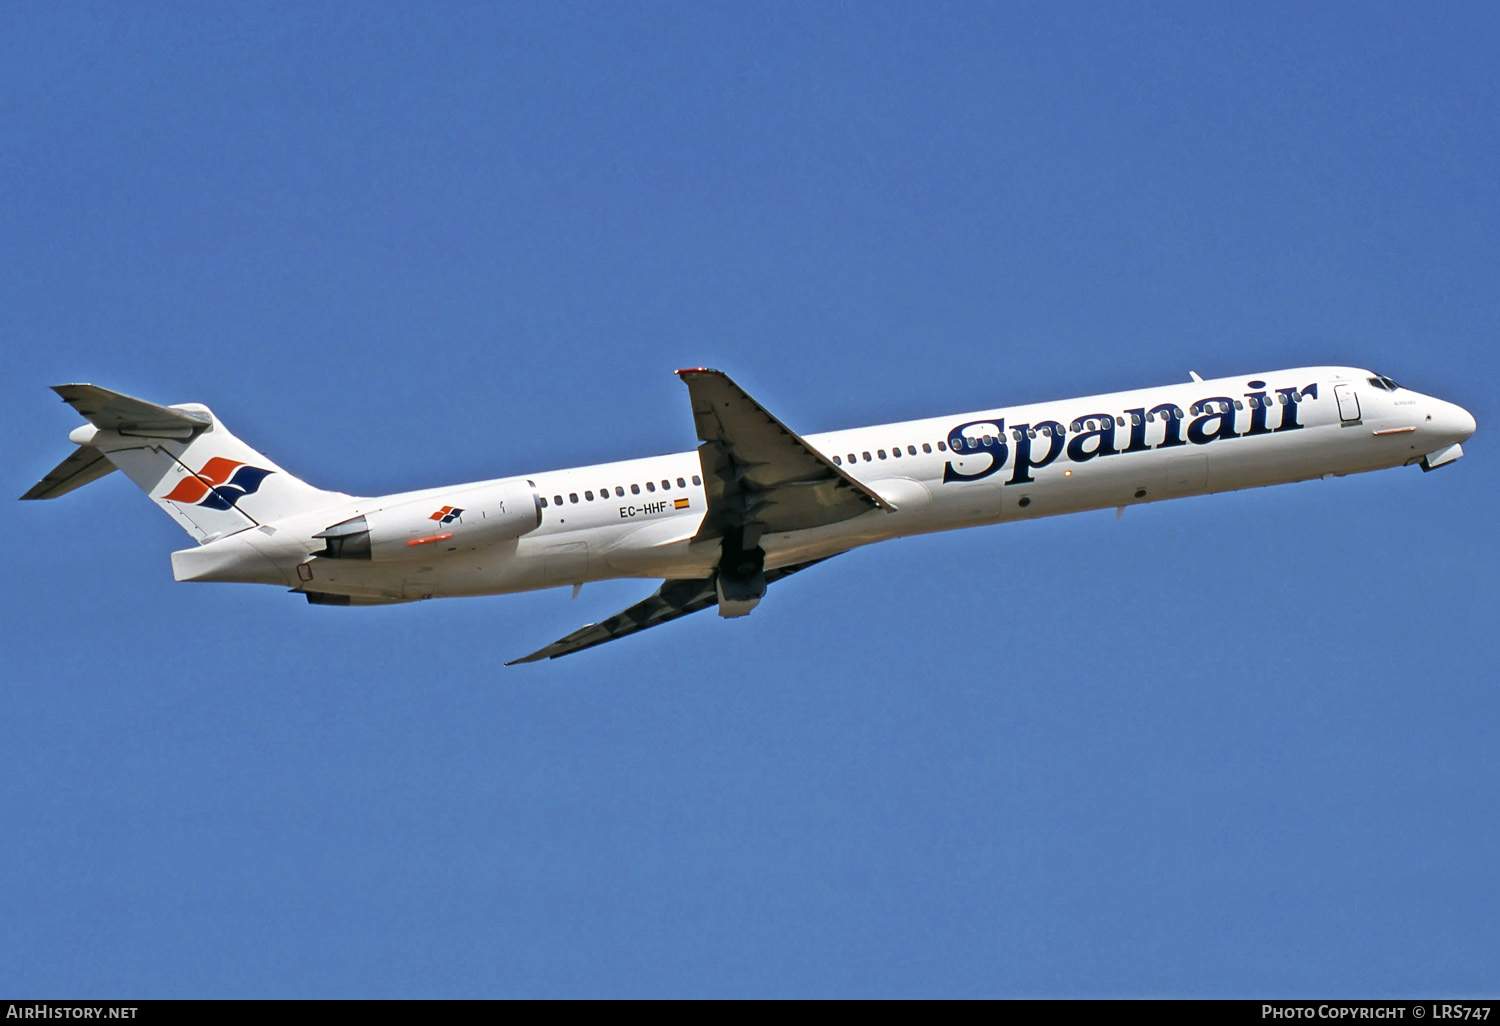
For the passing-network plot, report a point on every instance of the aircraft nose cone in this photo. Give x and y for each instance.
(1449, 423)
(1462, 423)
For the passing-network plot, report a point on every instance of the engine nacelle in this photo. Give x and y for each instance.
(450, 521)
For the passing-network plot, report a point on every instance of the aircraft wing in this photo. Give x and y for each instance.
(672, 600)
(756, 470)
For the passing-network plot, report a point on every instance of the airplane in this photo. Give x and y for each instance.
(754, 503)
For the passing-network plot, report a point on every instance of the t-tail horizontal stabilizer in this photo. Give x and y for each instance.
(110, 411)
(126, 415)
(86, 464)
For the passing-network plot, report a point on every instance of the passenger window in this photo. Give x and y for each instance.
(557, 500)
(650, 486)
(619, 492)
(666, 486)
(942, 447)
(927, 447)
(588, 496)
(852, 459)
(697, 480)
(544, 502)
(867, 457)
(681, 483)
(635, 489)
(838, 462)
(880, 453)
(896, 452)
(572, 496)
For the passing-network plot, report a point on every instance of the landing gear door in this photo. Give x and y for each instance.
(1348, 403)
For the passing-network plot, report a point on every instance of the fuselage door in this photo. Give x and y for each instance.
(1348, 403)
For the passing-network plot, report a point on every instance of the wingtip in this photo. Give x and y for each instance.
(697, 370)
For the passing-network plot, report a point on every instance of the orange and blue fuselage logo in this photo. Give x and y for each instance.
(219, 485)
(447, 515)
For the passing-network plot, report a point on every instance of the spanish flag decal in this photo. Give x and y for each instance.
(680, 504)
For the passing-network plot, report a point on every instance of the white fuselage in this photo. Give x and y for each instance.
(638, 518)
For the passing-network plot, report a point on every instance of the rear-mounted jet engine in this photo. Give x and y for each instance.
(450, 521)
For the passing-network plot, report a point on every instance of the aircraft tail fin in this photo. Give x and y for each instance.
(182, 456)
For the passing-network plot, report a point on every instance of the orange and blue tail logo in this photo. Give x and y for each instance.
(447, 515)
(219, 485)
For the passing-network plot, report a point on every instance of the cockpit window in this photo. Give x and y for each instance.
(1383, 382)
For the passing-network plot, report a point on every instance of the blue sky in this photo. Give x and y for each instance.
(1234, 745)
